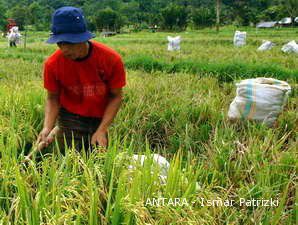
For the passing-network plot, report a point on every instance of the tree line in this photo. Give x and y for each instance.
(138, 14)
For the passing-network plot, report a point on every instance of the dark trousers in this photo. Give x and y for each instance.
(12, 44)
(75, 130)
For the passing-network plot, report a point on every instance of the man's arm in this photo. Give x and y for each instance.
(115, 99)
(52, 107)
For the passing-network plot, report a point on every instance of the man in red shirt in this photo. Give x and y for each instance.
(84, 81)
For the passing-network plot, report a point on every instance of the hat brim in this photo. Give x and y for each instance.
(71, 38)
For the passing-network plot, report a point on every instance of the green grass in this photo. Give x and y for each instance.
(229, 71)
(175, 105)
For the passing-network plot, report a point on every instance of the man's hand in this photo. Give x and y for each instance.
(52, 107)
(42, 137)
(100, 139)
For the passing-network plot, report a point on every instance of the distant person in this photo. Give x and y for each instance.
(13, 36)
(84, 81)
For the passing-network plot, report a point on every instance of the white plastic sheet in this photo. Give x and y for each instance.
(158, 160)
(261, 99)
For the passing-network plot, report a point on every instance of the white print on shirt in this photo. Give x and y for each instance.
(88, 90)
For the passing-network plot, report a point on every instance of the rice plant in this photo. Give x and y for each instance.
(175, 105)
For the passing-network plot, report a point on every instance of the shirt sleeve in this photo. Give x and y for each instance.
(118, 76)
(49, 78)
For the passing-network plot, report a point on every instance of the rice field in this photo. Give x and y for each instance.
(176, 105)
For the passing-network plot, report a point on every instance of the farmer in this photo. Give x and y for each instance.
(13, 36)
(84, 81)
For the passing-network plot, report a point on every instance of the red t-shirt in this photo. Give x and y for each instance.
(83, 86)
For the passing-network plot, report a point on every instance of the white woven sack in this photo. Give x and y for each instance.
(174, 43)
(239, 38)
(266, 45)
(261, 99)
(290, 47)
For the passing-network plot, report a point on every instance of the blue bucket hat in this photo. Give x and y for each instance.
(69, 25)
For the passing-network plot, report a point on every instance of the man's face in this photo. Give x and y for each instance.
(70, 50)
